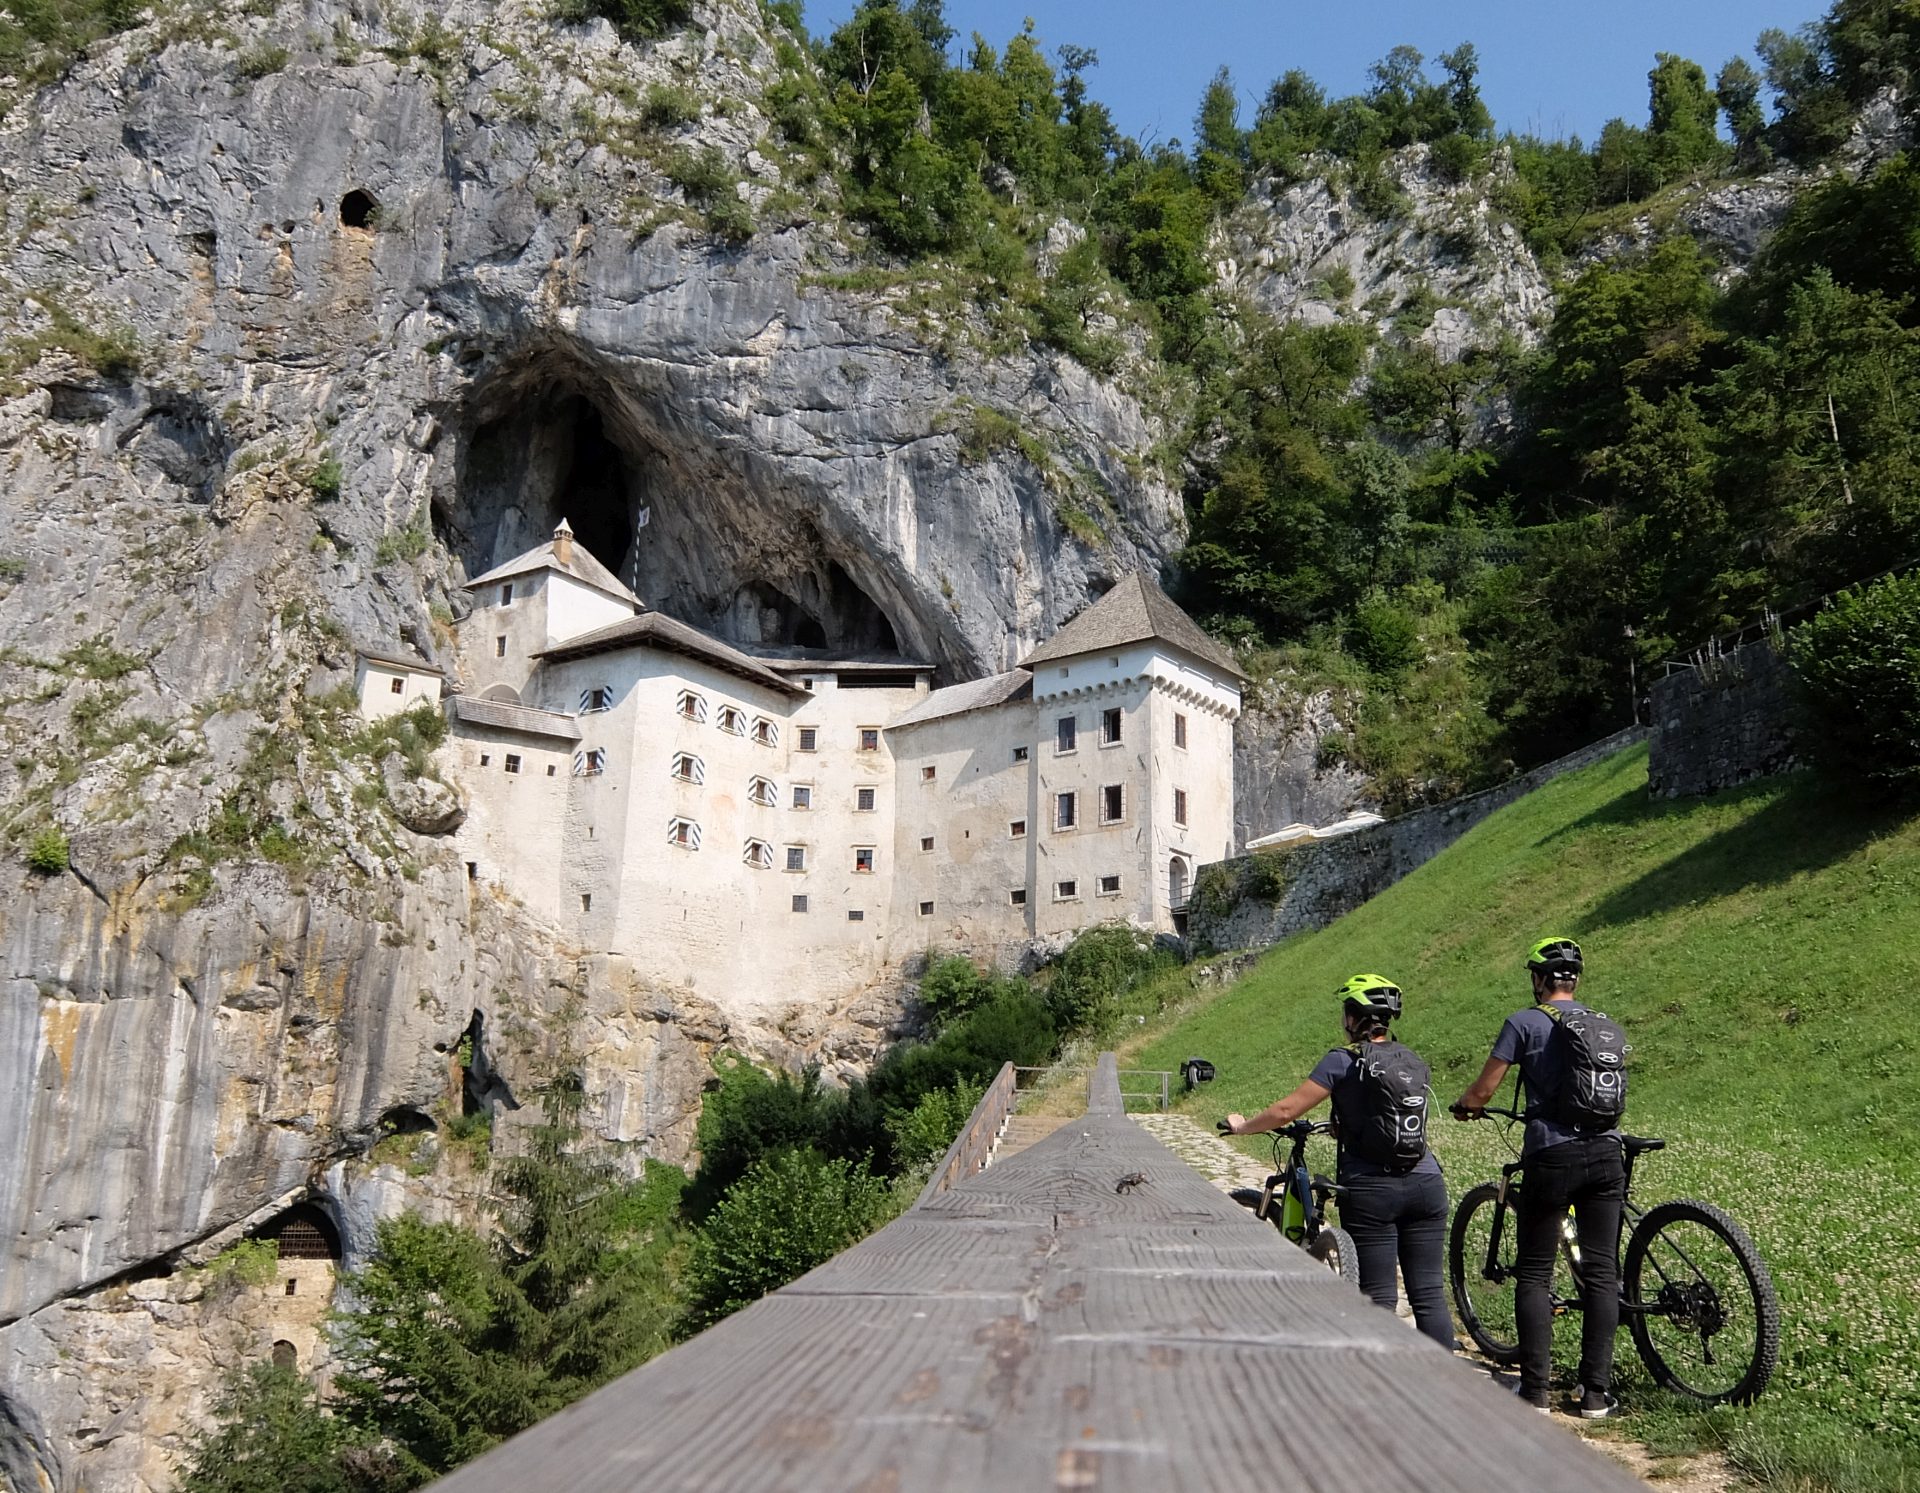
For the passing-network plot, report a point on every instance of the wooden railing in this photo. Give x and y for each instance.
(974, 1144)
(1089, 1313)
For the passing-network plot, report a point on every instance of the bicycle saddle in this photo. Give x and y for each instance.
(1635, 1144)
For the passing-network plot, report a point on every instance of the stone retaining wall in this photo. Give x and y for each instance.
(1721, 722)
(1256, 900)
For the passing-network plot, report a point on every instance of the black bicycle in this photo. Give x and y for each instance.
(1294, 1201)
(1694, 1292)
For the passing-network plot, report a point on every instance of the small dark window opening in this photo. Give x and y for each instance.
(292, 1283)
(473, 870)
(285, 1355)
(357, 209)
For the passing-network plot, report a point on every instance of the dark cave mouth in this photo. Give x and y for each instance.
(682, 527)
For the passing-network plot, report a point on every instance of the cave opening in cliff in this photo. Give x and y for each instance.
(302, 1232)
(704, 529)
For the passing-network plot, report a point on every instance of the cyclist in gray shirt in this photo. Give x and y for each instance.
(1566, 1167)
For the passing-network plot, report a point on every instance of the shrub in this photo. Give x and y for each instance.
(922, 1134)
(324, 480)
(47, 852)
(270, 1433)
(1384, 636)
(750, 1114)
(1099, 967)
(790, 1212)
(1858, 667)
(665, 105)
(952, 987)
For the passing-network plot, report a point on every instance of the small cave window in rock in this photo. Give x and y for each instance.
(303, 1232)
(357, 209)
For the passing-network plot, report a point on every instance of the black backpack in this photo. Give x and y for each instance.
(1593, 1094)
(1392, 1082)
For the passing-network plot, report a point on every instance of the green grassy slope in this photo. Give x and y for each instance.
(1762, 949)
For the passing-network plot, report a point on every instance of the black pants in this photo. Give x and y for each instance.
(1402, 1220)
(1590, 1175)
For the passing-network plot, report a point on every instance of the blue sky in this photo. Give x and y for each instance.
(1556, 67)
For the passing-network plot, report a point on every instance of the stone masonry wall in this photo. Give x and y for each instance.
(1256, 900)
(1723, 722)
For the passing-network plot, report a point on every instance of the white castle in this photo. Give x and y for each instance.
(763, 829)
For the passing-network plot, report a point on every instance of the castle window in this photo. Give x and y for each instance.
(506, 594)
(1066, 734)
(809, 739)
(869, 738)
(1065, 810)
(303, 1232)
(586, 901)
(1110, 727)
(863, 800)
(285, 1355)
(1017, 897)
(1179, 806)
(856, 916)
(926, 842)
(688, 768)
(1066, 891)
(927, 774)
(500, 646)
(799, 901)
(1109, 886)
(552, 770)
(691, 706)
(396, 686)
(590, 763)
(684, 833)
(599, 697)
(803, 795)
(762, 792)
(765, 732)
(863, 860)
(796, 857)
(1020, 754)
(486, 759)
(1180, 730)
(759, 855)
(732, 721)
(1113, 803)
(1017, 829)
(926, 909)
(512, 763)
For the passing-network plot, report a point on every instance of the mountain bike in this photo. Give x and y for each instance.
(1694, 1292)
(1294, 1201)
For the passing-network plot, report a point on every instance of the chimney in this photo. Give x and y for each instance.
(563, 544)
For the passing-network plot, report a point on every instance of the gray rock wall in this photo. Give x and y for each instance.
(1723, 721)
(1257, 900)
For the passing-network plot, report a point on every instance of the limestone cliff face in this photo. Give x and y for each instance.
(308, 316)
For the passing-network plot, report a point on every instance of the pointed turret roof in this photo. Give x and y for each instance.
(568, 556)
(1136, 610)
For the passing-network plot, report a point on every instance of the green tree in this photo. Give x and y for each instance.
(1737, 88)
(1682, 111)
(1291, 125)
(270, 1434)
(1623, 168)
(457, 1342)
(791, 1211)
(1219, 144)
(1858, 666)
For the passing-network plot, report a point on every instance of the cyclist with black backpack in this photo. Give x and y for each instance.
(1573, 1075)
(1395, 1202)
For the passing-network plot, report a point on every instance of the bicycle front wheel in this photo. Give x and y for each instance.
(1700, 1304)
(1483, 1289)
(1333, 1247)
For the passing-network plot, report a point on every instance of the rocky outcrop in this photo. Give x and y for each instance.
(1437, 262)
(1282, 773)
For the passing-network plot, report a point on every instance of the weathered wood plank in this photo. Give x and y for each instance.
(1034, 1327)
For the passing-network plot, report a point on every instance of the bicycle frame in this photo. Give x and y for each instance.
(1301, 1195)
(1493, 1271)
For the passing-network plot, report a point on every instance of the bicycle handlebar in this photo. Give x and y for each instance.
(1484, 1110)
(1294, 1131)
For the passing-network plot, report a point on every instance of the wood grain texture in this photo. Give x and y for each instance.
(974, 1144)
(1032, 1327)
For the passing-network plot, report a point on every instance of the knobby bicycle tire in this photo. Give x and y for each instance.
(1333, 1247)
(1485, 1307)
(1712, 1328)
